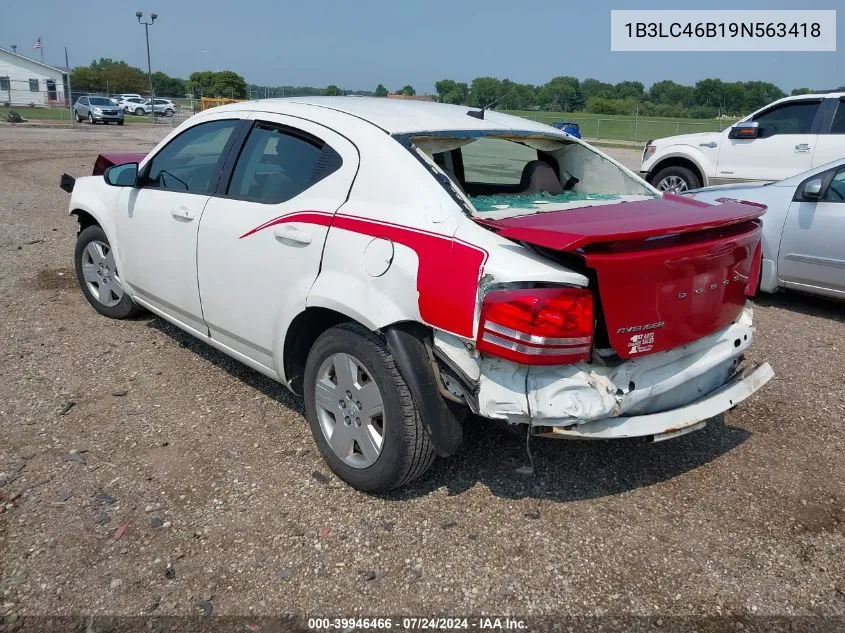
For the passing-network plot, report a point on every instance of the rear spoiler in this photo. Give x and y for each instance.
(572, 229)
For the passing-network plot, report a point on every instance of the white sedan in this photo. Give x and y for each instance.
(141, 106)
(400, 263)
(803, 230)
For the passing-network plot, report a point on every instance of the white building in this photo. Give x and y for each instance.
(24, 81)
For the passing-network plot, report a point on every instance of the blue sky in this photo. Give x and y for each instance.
(357, 44)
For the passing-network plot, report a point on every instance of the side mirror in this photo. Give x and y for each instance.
(812, 189)
(746, 129)
(125, 175)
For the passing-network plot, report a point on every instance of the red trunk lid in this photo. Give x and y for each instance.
(107, 159)
(669, 270)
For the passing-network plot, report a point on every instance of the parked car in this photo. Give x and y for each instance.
(133, 105)
(127, 95)
(570, 127)
(140, 107)
(785, 138)
(803, 245)
(95, 109)
(402, 263)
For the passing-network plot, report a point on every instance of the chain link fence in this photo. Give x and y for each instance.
(46, 100)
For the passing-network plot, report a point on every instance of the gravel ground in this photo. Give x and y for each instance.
(141, 471)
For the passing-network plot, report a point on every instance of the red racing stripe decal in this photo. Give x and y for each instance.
(449, 268)
(309, 217)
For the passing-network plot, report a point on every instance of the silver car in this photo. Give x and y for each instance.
(100, 109)
(803, 229)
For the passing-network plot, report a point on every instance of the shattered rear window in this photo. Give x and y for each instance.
(536, 201)
(506, 174)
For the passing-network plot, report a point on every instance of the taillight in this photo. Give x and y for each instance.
(539, 326)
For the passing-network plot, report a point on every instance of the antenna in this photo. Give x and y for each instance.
(479, 114)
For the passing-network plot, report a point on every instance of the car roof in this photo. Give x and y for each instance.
(813, 95)
(400, 116)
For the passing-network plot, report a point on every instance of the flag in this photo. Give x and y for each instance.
(37, 43)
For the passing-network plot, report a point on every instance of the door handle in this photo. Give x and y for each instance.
(292, 233)
(182, 213)
(802, 147)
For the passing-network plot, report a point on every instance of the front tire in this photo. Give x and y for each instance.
(139, 111)
(361, 412)
(90, 119)
(96, 272)
(676, 179)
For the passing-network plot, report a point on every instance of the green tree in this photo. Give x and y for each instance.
(108, 74)
(119, 76)
(381, 91)
(596, 88)
(800, 91)
(483, 91)
(760, 93)
(670, 93)
(734, 95)
(629, 90)
(201, 83)
(165, 85)
(228, 83)
(333, 91)
(710, 92)
(85, 79)
(408, 90)
(225, 83)
(450, 91)
(562, 93)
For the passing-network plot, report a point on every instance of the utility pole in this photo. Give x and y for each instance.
(153, 17)
(69, 95)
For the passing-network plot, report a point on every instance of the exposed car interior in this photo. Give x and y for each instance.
(497, 174)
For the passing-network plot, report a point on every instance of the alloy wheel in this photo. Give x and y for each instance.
(672, 184)
(350, 410)
(100, 273)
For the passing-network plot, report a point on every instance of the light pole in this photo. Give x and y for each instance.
(153, 17)
(216, 58)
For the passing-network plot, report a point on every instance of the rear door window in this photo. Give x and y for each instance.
(838, 126)
(278, 163)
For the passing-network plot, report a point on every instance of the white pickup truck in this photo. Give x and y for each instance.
(785, 138)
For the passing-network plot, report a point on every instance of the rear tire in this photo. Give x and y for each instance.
(405, 451)
(77, 117)
(676, 179)
(96, 272)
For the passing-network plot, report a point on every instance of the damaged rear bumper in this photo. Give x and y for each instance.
(661, 394)
(670, 423)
